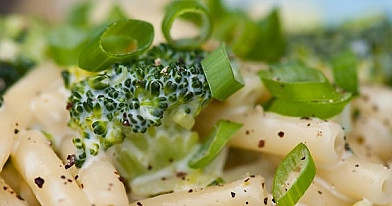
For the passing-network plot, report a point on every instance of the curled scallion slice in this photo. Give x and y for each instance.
(117, 43)
(178, 8)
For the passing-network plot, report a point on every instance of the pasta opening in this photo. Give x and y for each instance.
(338, 146)
(386, 187)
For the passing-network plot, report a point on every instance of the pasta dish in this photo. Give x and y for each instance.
(193, 103)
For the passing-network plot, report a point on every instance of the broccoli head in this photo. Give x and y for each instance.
(130, 98)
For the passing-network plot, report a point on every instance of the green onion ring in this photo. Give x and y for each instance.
(117, 43)
(298, 162)
(178, 8)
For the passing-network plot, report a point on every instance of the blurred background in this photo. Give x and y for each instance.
(305, 12)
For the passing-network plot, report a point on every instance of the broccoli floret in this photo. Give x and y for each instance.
(129, 99)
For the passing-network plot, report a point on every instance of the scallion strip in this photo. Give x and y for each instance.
(293, 176)
(296, 82)
(222, 133)
(178, 8)
(318, 108)
(64, 43)
(117, 43)
(223, 78)
(344, 67)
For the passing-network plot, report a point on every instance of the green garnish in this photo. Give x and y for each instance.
(178, 8)
(222, 133)
(119, 42)
(302, 91)
(65, 42)
(293, 176)
(344, 67)
(257, 40)
(222, 77)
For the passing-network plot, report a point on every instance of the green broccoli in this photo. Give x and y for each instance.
(129, 100)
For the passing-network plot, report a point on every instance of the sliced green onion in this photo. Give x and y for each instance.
(81, 14)
(118, 43)
(64, 44)
(252, 40)
(223, 79)
(222, 133)
(296, 82)
(344, 67)
(178, 8)
(319, 108)
(293, 176)
(302, 91)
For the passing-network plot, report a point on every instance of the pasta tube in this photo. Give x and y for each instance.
(17, 183)
(375, 101)
(247, 191)
(371, 139)
(324, 194)
(44, 172)
(277, 134)
(101, 182)
(14, 113)
(8, 196)
(359, 178)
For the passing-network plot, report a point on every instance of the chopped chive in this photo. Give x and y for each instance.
(302, 91)
(65, 42)
(293, 176)
(179, 8)
(296, 82)
(222, 133)
(344, 67)
(223, 79)
(117, 43)
(323, 109)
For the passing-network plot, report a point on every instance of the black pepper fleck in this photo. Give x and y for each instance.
(39, 182)
(232, 194)
(281, 134)
(139, 204)
(265, 200)
(70, 161)
(261, 143)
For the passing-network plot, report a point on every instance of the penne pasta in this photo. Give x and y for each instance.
(247, 191)
(44, 172)
(352, 174)
(18, 184)
(8, 196)
(14, 113)
(101, 183)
